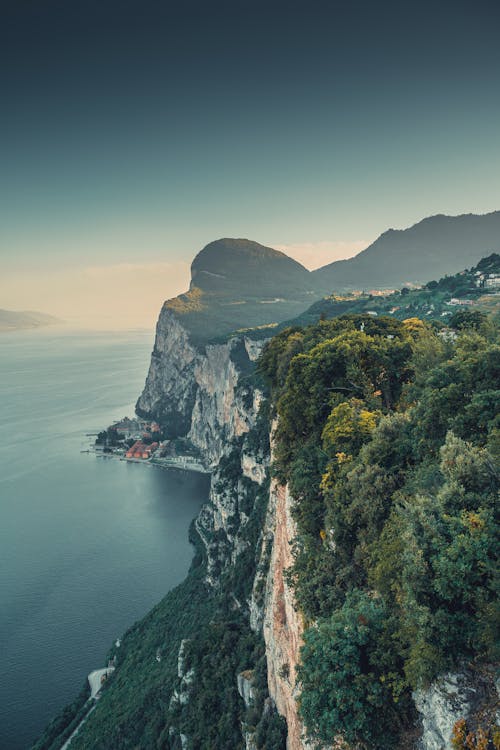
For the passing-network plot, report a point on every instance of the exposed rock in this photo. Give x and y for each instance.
(252, 468)
(170, 389)
(180, 694)
(220, 413)
(283, 625)
(245, 687)
(253, 348)
(181, 659)
(193, 393)
(257, 601)
(452, 697)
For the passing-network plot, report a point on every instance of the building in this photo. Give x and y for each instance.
(460, 302)
(141, 450)
(129, 427)
(492, 281)
(149, 450)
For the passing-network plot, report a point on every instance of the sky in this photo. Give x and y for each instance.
(134, 133)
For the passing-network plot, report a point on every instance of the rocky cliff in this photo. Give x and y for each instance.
(197, 394)
(282, 623)
(209, 397)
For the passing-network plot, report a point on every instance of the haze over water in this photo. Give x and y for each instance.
(87, 545)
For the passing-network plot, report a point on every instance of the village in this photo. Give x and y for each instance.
(140, 441)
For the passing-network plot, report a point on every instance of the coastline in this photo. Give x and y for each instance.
(181, 463)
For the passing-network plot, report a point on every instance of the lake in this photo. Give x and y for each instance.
(87, 545)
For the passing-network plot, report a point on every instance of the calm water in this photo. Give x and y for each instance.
(87, 545)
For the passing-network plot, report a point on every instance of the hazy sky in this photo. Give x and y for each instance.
(133, 133)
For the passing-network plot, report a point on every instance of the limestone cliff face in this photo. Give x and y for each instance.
(194, 393)
(467, 694)
(200, 395)
(282, 625)
(222, 520)
(221, 411)
(170, 390)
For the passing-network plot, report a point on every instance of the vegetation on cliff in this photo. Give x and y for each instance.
(389, 437)
(437, 300)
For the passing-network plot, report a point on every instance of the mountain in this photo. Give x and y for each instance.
(237, 283)
(238, 266)
(433, 247)
(11, 320)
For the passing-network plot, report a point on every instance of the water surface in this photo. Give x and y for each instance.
(87, 545)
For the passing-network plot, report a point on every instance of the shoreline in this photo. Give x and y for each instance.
(183, 463)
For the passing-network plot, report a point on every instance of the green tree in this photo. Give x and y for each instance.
(343, 690)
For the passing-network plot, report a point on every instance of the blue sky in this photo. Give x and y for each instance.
(133, 133)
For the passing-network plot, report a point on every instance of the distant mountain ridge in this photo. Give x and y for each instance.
(239, 283)
(432, 248)
(12, 320)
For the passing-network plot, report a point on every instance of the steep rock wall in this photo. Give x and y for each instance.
(170, 389)
(196, 393)
(282, 624)
(469, 694)
(199, 395)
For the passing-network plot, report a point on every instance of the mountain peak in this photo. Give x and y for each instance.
(231, 265)
(431, 248)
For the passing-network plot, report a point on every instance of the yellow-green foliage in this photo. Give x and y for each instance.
(189, 302)
(480, 739)
(348, 426)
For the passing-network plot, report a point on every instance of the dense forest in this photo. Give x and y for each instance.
(389, 437)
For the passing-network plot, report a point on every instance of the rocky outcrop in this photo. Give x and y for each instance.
(222, 411)
(196, 393)
(186, 677)
(465, 695)
(247, 693)
(222, 520)
(282, 625)
(170, 390)
(245, 687)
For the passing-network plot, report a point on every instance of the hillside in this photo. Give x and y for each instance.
(239, 284)
(477, 288)
(433, 247)
(387, 440)
(11, 320)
